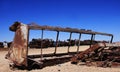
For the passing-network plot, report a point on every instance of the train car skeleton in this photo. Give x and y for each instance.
(18, 52)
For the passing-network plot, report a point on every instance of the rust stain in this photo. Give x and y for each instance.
(18, 50)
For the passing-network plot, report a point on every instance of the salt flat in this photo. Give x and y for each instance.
(65, 67)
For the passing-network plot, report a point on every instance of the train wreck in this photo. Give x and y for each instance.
(18, 52)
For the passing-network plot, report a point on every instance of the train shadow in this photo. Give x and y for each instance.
(33, 64)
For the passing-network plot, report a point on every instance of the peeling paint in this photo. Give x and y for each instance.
(18, 50)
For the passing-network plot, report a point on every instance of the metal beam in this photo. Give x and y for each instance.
(56, 42)
(111, 39)
(91, 41)
(69, 41)
(74, 30)
(78, 43)
(94, 37)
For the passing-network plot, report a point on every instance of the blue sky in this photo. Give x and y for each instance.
(97, 15)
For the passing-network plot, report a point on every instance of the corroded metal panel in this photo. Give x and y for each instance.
(18, 50)
(84, 53)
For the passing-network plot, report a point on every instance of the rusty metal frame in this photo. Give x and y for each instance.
(23, 48)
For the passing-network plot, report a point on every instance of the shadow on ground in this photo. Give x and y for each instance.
(33, 64)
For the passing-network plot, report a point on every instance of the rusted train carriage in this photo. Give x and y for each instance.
(18, 52)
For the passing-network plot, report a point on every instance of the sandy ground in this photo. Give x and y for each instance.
(65, 67)
(59, 50)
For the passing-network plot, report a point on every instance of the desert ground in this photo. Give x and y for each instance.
(64, 67)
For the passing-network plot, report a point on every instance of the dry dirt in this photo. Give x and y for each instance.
(65, 67)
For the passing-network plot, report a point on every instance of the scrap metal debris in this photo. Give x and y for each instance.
(101, 55)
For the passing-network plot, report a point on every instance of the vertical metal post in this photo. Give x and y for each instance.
(70, 41)
(91, 41)
(41, 43)
(94, 37)
(78, 43)
(56, 42)
(111, 39)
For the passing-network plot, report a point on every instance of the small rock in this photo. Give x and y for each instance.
(58, 70)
